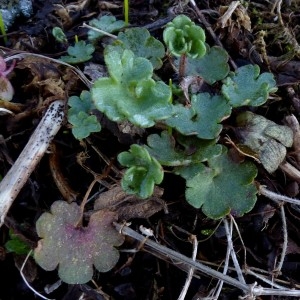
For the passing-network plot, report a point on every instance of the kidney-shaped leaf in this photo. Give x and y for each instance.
(191, 150)
(213, 66)
(105, 23)
(247, 87)
(142, 44)
(222, 187)
(76, 249)
(202, 118)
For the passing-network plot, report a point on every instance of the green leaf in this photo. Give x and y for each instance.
(142, 44)
(81, 52)
(84, 125)
(247, 87)
(130, 93)
(79, 116)
(264, 137)
(143, 171)
(182, 36)
(108, 24)
(75, 249)
(212, 66)
(222, 187)
(59, 35)
(163, 147)
(202, 118)
(16, 245)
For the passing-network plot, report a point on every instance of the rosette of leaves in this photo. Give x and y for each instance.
(183, 37)
(143, 172)
(202, 118)
(247, 86)
(78, 53)
(79, 115)
(266, 138)
(142, 44)
(105, 23)
(75, 249)
(130, 93)
(221, 187)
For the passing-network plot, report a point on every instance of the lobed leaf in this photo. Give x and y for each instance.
(76, 249)
(202, 118)
(247, 87)
(142, 44)
(213, 66)
(79, 53)
(107, 24)
(163, 148)
(222, 187)
(79, 116)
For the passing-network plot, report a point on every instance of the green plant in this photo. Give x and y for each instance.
(190, 144)
(143, 173)
(130, 93)
(79, 53)
(141, 43)
(79, 115)
(184, 39)
(107, 24)
(16, 245)
(59, 35)
(222, 186)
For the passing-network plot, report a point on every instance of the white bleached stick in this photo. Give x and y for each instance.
(37, 145)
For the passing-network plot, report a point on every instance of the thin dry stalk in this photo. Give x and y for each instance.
(232, 252)
(191, 269)
(181, 260)
(35, 149)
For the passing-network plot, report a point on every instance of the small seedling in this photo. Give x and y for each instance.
(143, 171)
(16, 245)
(79, 115)
(106, 24)
(79, 53)
(184, 39)
(59, 35)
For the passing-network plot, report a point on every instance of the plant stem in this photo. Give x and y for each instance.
(182, 66)
(126, 11)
